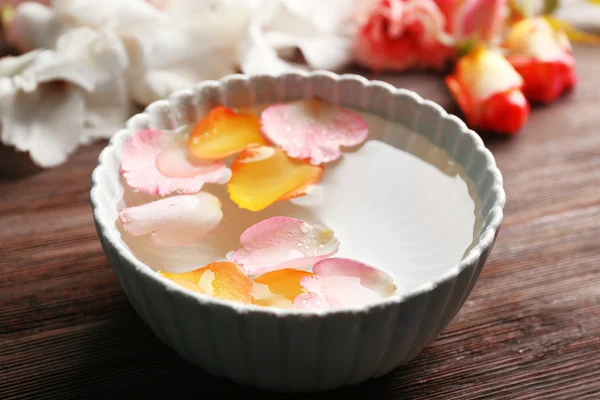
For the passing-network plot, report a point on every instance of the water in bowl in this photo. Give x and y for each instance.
(396, 202)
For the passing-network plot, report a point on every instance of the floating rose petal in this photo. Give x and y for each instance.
(340, 282)
(370, 277)
(222, 133)
(279, 288)
(263, 175)
(222, 280)
(312, 129)
(154, 163)
(312, 300)
(174, 221)
(283, 242)
(175, 162)
(189, 280)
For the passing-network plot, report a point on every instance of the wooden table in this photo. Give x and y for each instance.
(530, 329)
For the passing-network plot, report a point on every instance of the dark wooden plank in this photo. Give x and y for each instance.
(530, 329)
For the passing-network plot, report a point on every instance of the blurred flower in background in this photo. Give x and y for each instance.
(84, 63)
(407, 34)
(474, 21)
(287, 35)
(399, 35)
(170, 45)
(488, 91)
(53, 100)
(542, 55)
(98, 57)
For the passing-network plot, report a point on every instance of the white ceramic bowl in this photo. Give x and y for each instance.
(290, 350)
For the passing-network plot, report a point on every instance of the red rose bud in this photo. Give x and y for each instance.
(543, 57)
(488, 91)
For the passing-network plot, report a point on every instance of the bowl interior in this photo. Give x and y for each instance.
(413, 200)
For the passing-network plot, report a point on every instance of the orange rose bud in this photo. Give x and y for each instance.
(488, 91)
(542, 55)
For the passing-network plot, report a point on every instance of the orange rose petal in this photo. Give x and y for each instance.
(230, 282)
(222, 133)
(188, 280)
(301, 191)
(223, 280)
(263, 175)
(279, 288)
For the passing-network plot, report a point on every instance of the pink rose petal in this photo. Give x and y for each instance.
(311, 301)
(177, 162)
(154, 163)
(370, 277)
(340, 282)
(483, 18)
(283, 242)
(174, 221)
(313, 130)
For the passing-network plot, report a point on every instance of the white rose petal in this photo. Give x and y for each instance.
(46, 123)
(322, 30)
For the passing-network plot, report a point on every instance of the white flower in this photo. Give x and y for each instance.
(171, 44)
(52, 100)
(323, 31)
(99, 52)
(31, 26)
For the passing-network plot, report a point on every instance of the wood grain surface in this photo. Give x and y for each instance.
(529, 330)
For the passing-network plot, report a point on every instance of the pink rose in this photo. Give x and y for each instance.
(402, 34)
(478, 20)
